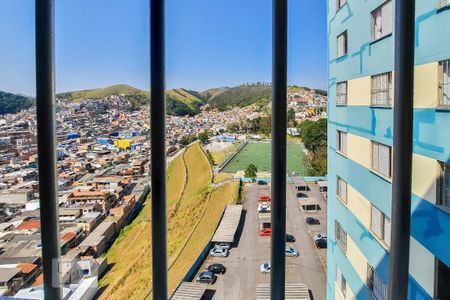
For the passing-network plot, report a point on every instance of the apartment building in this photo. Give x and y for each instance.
(361, 85)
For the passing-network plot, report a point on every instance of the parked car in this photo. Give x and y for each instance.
(206, 277)
(321, 243)
(218, 251)
(312, 221)
(320, 236)
(292, 252)
(302, 195)
(290, 238)
(265, 231)
(217, 268)
(224, 245)
(263, 208)
(264, 198)
(262, 182)
(265, 268)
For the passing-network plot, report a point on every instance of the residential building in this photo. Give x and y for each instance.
(361, 89)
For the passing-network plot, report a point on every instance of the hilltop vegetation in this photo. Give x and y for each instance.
(240, 96)
(181, 102)
(12, 103)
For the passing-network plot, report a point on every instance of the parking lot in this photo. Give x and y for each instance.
(251, 250)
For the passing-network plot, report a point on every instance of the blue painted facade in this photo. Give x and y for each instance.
(430, 224)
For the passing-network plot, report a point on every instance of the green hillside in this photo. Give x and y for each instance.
(242, 95)
(12, 103)
(211, 93)
(183, 102)
(179, 101)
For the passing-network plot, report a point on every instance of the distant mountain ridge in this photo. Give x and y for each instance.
(180, 101)
(12, 103)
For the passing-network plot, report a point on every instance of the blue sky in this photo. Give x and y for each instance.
(210, 43)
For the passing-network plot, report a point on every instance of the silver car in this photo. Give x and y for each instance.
(224, 245)
(218, 251)
(265, 268)
(292, 252)
(320, 236)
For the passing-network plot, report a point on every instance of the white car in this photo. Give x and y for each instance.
(224, 245)
(265, 268)
(320, 236)
(263, 208)
(292, 252)
(218, 251)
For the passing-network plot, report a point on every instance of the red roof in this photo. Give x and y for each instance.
(68, 236)
(29, 225)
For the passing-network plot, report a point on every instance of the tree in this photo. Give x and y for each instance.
(203, 136)
(251, 171)
(291, 118)
(314, 135)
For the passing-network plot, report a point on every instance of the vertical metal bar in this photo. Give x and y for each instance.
(46, 129)
(158, 146)
(402, 158)
(279, 128)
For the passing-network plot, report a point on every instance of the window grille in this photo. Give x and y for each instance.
(382, 159)
(382, 21)
(381, 89)
(342, 142)
(342, 44)
(375, 284)
(341, 236)
(444, 84)
(342, 189)
(341, 93)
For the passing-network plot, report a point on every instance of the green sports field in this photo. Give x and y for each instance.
(259, 154)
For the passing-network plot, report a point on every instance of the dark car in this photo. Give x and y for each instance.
(217, 268)
(302, 195)
(290, 238)
(312, 221)
(321, 243)
(262, 182)
(206, 277)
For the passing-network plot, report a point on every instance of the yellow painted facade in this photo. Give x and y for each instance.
(426, 92)
(421, 265)
(357, 259)
(339, 296)
(424, 175)
(358, 205)
(123, 144)
(358, 91)
(359, 150)
(426, 82)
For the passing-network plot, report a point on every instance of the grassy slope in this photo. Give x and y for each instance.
(104, 92)
(218, 156)
(176, 176)
(185, 96)
(130, 255)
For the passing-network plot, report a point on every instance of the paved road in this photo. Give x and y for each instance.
(242, 276)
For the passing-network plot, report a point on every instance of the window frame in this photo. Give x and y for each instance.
(339, 142)
(338, 95)
(372, 279)
(341, 236)
(443, 168)
(441, 83)
(345, 50)
(389, 99)
(384, 238)
(338, 190)
(341, 282)
(372, 22)
(338, 6)
(372, 167)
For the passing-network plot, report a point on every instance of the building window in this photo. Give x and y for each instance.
(381, 89)
(444, 3)
(340, 3)
(341, 282)
(341, 236)
(342, 142)
(382, 21)
(442, 280)
(341, 93)
(444, 84)
(380, 225)
(341, 189)
(444, 185)
(382, 159)
(342, 44)
(375, 284)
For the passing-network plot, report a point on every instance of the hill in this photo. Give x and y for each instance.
(183, 102)
(242, 95)
(179, 101)
(211, 93)
(12, 103)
